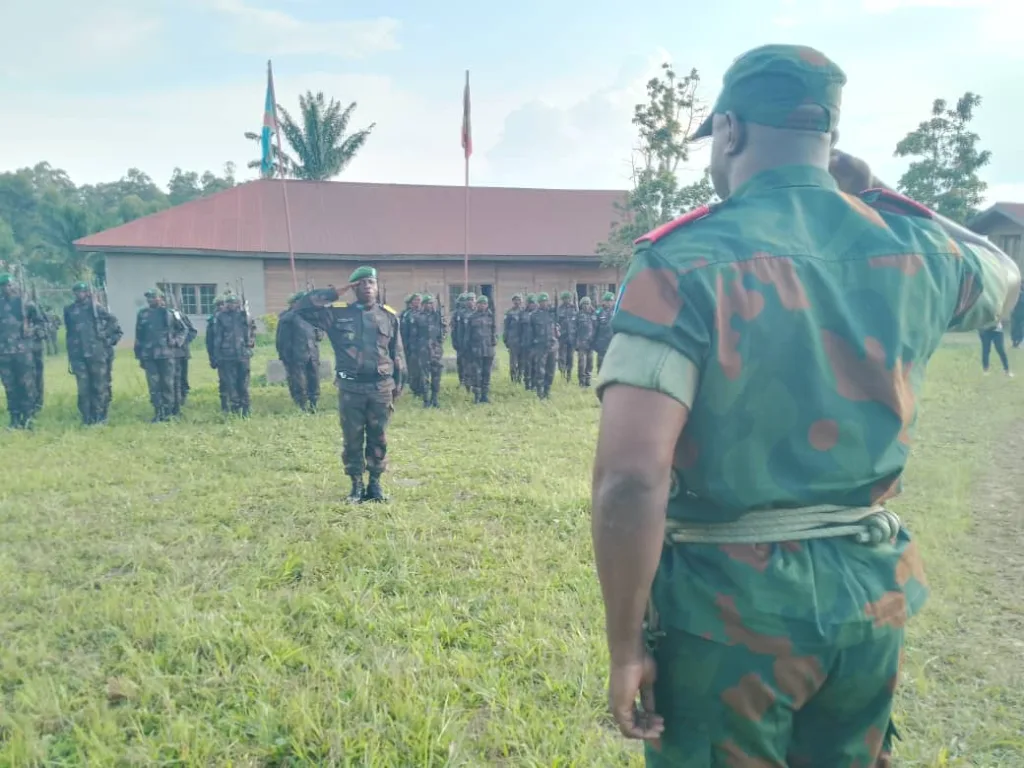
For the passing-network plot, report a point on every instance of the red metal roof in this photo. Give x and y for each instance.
(342, 219)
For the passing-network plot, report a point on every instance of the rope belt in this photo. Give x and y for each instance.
(865, 525)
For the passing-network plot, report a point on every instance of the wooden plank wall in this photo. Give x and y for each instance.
(401, 279)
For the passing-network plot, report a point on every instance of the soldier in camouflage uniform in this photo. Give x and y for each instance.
(427, 344)
(544, 335)
(585, 325)
(92, 335)
(526, 342)
(467, 305)
(511, 336)
(234, 337)
(482, 337)
(370, 364)
(603, 327)
(218, 307)
(52, 328)
(761, 389)
(159, 331)
(182, 355)
(298, 348)
(405, 321)
(19, 319)
(565, 315)
(39, 334)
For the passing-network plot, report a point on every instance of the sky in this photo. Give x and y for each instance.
(99, 87)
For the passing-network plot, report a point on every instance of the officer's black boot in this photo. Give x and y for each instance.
(312, 405)
(373, 490)
(483, 396)
(358, 491)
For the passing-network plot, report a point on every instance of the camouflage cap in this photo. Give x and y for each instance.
(543, 297)
(5, 279)
(362, 273)
(608, 296)
(428, 299)
(80, 286)
(768, 84)
(565, 295)
(585, 300)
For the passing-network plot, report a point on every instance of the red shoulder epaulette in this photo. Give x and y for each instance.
(687, 218)
(892, 202)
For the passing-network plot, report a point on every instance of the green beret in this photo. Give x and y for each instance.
(585, 300)
(416, 296)
(153, 293)
(428, 299)
(543, 297)
(219, 301)
(362, 273)
(517, 296)
(483, 300)
(5, 279)
(608, 296)
(470, 296)
(531, 298)
(565, 295)
(231, 299)
(80, 287)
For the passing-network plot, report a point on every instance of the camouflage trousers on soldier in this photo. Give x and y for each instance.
(543, 370)
(93, 378)
(565, 357)
(430, 371)
(460, 366)
(19, 380)
(182, 389)
(584, 366)
(234, 379)
(364, 410)
(515, 364)
(769, 701)
(415, 375)
(478, 374)
(600, 359)
(161, 378)
(38, 368)
(304, 383)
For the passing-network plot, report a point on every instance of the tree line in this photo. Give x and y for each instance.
(943, 172)
(43, 212)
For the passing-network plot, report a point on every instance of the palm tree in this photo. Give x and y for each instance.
(280, 161)
(321, 147)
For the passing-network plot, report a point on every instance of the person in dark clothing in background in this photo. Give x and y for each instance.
(993, 337)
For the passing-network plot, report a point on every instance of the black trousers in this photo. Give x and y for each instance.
(992, 338)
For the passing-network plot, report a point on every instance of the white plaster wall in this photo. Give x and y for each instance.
(130, 275)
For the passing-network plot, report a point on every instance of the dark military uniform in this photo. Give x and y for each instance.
(298, 348)
(218, 307)
(405, 322)
(462, 353)
(39, 334)
(603, 328)
(1017, 323)
(511, 337)
(159, 331)
(182, 355)
(586, 322)
(234, 336)
(426, 342)
(544, 333)
(92, 334)
(369, 358)
(18, 320)
(52, 327)
(526, 342)
(566, 318)
(481, 339)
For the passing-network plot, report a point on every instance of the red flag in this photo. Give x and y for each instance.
(467, 131)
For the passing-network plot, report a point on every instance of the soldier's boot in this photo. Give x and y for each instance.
(158, 416)
(358, 490)
(245, 411)
(426, 401)
(483, 395)
(373, 490)
(312, 405)
(476, 396)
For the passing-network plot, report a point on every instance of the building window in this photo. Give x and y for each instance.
(1010, 245)
(190, 298)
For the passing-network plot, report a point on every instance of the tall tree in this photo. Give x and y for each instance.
(318, 139)
(664, 122)
(282, 163)
(185, 186)
(944, 175)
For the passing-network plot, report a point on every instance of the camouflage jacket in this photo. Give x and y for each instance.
(459, 318)
(566, 317)
(427, 335)
(297, 340)
(512, 331)
(796, 322)
(159, 331)
(92, 332)
(585, 326)
(481, 333)
(234, 336)
(602, 330)
(185, 350)
(544, 331)
(20, 323)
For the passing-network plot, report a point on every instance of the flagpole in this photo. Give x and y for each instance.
(467, 145)
(284, 182)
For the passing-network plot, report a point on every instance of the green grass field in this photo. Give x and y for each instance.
(196, 593)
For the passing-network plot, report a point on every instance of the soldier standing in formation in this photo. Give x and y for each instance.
(52, 328)
(159, 331)
(18, 320)
(39, 335)
(603, 327)
(585, 326)
(298, 347)
(218, 307)
(544, 337)
(511, 336)
(565, 316)
(182, 355)
(426, 343)
(483, 339)
(92, 335)
(526, 341)
(405, 321)
(234, 336)
(370, 364)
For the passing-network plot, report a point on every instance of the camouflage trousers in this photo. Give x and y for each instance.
(415, 375)
(478, 374)
(365, 410)
(304, 382)
(565, 357)
(234, 380)
(584, 366)
(430, 374)
(542, 373)
(93, 378)
(181, 388)
(19, 380)
(515, 364)
(38, 368)
(161, 379)
(51, 344)
(460, 366)
(600, 359)
(788, 705)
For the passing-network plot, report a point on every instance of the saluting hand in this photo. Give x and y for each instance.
(627, 682)
(851, 173)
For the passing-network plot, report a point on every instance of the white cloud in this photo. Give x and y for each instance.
(276, 33)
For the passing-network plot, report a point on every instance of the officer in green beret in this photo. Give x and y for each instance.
(19, 319)
(586, 322)
(466, 307)
(92, 335)
(159, 332)
(481, 340)
(759, 407)
(544, 345)
(429, 330)
(566, 318)
(512, 338)
(603, 327)
(218, 307)
(370, 364)
(234, 338)
(298, 348)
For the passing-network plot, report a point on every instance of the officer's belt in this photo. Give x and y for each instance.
(865, 525)
(370, 379)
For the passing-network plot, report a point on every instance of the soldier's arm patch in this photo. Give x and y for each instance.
(687, 218)
(890, 202)
(986, 281)
(389, 309)
(648, 364)
(338, 304)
